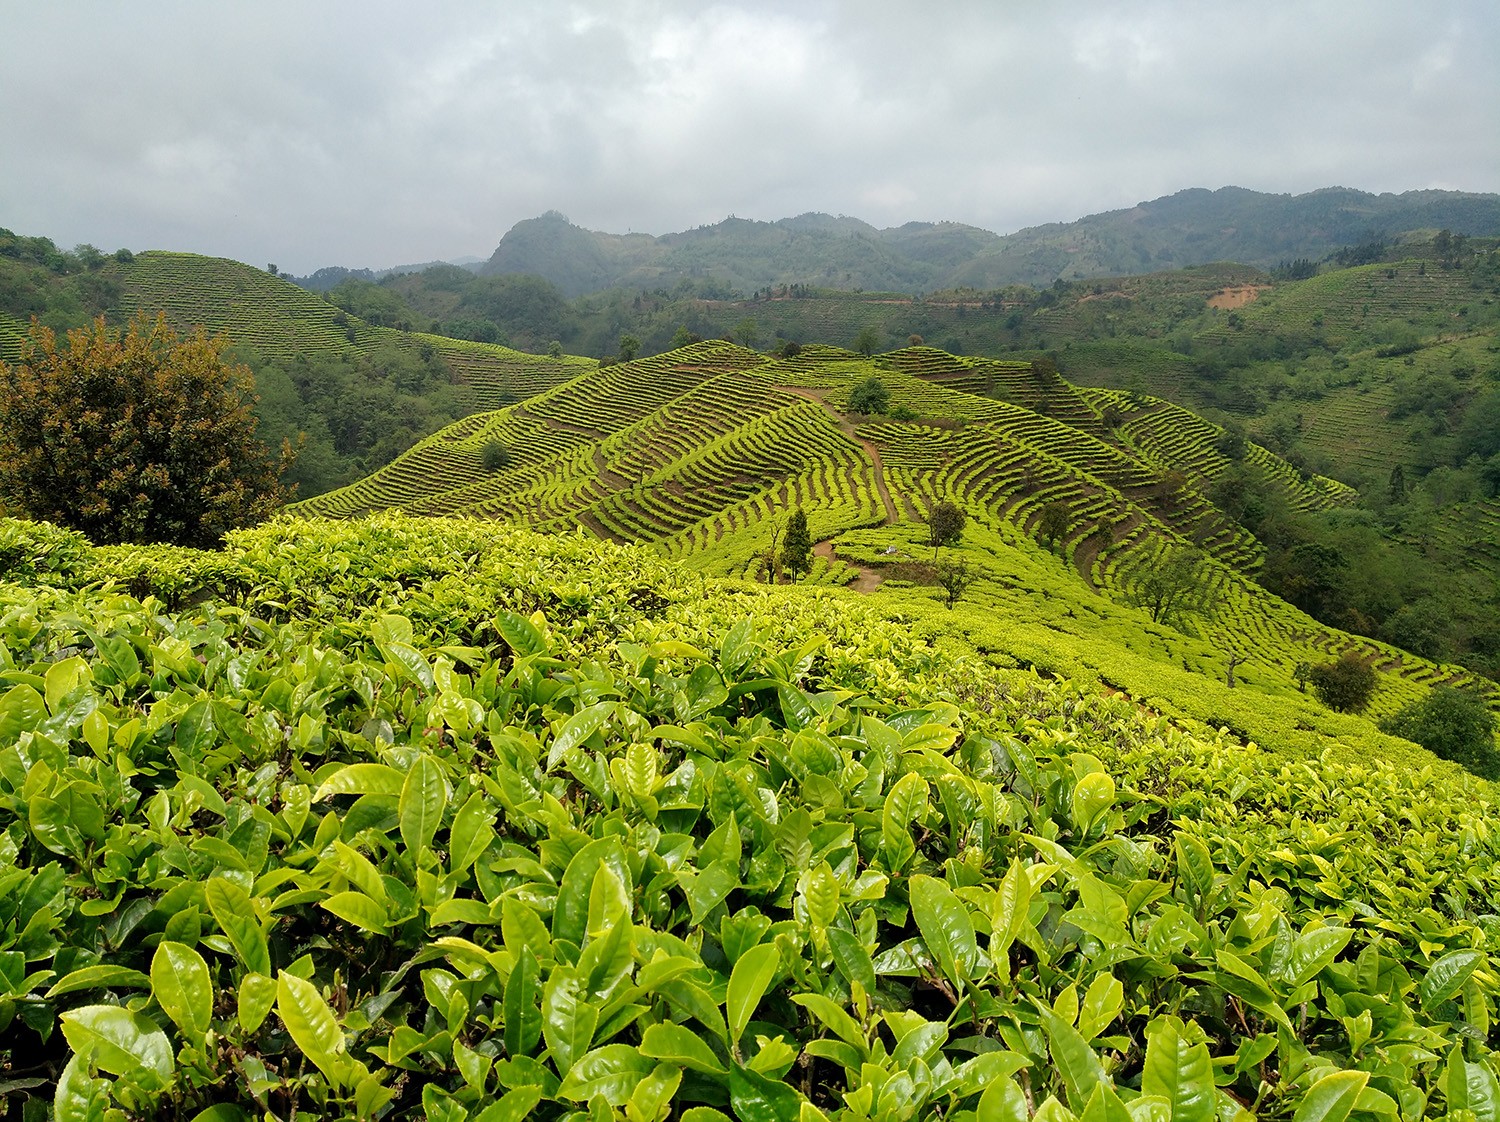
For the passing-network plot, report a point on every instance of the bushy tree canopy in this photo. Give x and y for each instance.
(134, 436)
(945, 524)
(1346, 685)
(870, 396)
(1453, 724)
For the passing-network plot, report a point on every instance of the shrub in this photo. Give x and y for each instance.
(1451, 723)
(870, 396)
(1345, 685)
(945, 524)
(796, 550)
(495, 456)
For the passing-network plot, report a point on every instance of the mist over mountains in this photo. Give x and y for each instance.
(1195, 226)
(1191, 227)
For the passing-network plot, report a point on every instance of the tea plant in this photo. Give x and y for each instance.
(381, 832)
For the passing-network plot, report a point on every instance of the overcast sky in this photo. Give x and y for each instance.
(377, 133)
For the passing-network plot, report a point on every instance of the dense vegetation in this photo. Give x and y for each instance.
(1023, 797)
(134, 436)
(1076, 501)
(353, 394)
(441, 819)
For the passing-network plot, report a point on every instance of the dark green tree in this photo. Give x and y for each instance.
(954, 578)
(135, 437)
(1454, 724)
(1055, 519)
(495, 456)
(1398, 484)
(796, 547)
(870, 396)
(945, 525)
(867, 342)
(1346, 684)
(630, 346)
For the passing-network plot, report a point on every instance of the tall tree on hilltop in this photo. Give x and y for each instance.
(135, 437)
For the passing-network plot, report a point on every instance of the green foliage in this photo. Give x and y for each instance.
(1453, 724)
(796, 546)
(136, 437)
(1053, 524)
(331, 847)
(630, 346)
(1176, 588)
(867, 342)
(870, 396)
(495, 456)
(945, 524)
(1346, 684)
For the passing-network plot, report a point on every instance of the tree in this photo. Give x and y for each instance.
(945, 525)
(870, 396)
(630, 346)
(1056, 517)
(1180, 584)
(796, 549)
(135, 437)
(954, 578)
(495, 456)
(1454, 724)
(791, 349)
(554, 349)
(867, 342)
(1345, 685)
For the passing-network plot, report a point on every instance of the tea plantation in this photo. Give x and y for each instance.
(402, 818)
(702, 451)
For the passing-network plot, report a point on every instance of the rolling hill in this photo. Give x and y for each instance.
(704, 450)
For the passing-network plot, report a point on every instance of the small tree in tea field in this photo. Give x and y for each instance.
(1345, 685)
(1454, 724)
(870, 396)
(495, 456)
(796, 548)
(945, 525)
(135, 436)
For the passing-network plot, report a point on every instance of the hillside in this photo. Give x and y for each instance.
(442, 819)
(703, 451)
(358, 393)
(1191, 227)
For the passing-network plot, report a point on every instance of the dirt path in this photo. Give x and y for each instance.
(865, 580)
(846, 426)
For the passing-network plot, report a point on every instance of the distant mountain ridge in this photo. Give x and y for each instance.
(1192, 227)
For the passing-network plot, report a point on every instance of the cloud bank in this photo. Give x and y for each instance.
(380, 133)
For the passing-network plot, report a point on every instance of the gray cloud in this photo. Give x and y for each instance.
(379, 132)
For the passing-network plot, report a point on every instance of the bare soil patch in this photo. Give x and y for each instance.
(1227, 299)
(865, 580)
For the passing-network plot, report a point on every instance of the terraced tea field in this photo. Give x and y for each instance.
(278, 320)
(704, 450)
(12, 336)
